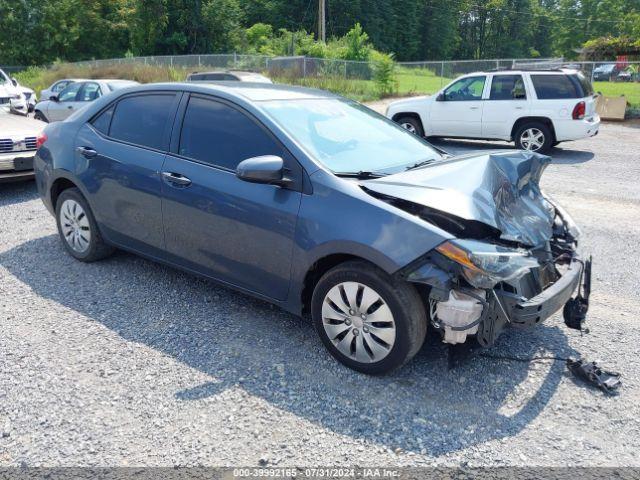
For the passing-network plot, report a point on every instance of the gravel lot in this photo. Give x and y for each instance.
(126, 362)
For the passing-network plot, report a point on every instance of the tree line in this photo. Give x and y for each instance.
(34, 32)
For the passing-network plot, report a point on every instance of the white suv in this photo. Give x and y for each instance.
(535, 109)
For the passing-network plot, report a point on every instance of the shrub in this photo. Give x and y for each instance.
(384, 74)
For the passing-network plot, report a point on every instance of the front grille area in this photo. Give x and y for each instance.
(7, 145)
(4, 100)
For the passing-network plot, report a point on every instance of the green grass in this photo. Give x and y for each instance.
(418, 81)
(631, 90)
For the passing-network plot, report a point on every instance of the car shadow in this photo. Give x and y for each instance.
(245, 343)
(12, 193)
(560, 154)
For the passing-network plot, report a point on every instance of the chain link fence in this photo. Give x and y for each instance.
(609, 78)
(10, 70)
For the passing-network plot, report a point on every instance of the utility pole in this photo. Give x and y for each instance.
(322, 21)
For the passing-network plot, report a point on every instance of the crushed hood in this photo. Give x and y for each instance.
(500, 189)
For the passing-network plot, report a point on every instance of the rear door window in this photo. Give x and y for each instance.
(507, 87)
(220, 135)
(142, 120)
(554, 87)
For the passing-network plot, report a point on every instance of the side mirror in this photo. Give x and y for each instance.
(54, 98)
(440, 97)
(14, 82)
(267, 169)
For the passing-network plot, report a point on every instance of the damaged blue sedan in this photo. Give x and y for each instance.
(320, 206)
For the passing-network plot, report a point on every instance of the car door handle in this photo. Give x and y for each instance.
(176, 179)
(474, 108)
(86, 152)
(70, 107)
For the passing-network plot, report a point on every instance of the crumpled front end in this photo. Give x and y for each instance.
(465, 302)
(513, 261)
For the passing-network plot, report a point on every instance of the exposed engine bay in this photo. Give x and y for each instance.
(513, 261)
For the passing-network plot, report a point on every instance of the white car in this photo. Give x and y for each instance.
(12, 98)
(75, 96)
(19, 140)
(228, 76)
(535, 109)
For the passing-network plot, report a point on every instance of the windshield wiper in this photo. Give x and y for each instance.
(420, 164)
(362, 174)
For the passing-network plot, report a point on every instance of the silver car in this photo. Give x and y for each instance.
(56, 87)
(75, 96)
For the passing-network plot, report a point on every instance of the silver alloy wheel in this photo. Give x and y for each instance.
(410, 127)
(75, 226)
(358, 322)
(532, 139)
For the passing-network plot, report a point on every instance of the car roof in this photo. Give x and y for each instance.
(506, 71)
(255, 92)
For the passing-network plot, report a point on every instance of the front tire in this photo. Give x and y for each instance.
(78, 229)
(39, 116)
(368, 320)
(411, 124)
(534, 137)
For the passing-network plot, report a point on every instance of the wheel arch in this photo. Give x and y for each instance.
(414, 115)
(58, 186)
(524, 120)
(37, 110)
(321, 266)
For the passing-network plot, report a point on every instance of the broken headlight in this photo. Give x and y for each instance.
(485, 265)
(571, 226)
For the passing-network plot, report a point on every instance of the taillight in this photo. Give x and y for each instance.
(579, 111)
(40, 139)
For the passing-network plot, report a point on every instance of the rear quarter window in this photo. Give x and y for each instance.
(554, 87)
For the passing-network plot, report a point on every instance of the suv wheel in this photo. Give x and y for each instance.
(534, 136)
(368, 320)
(411, 124)
(78, 229)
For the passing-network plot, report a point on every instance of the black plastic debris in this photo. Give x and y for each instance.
(606, 381)
(575, 310)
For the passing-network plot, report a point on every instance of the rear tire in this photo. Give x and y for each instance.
(78, 229)
(534, 137)
(368, 320)
(411, 124)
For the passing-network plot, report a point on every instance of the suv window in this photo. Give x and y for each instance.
(69, 94)
(507, 87)
(142, 120)
(216, 134)
(469, 88)
(553, 87)
(585, 84)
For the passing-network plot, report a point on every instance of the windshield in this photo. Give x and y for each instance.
(347, 137)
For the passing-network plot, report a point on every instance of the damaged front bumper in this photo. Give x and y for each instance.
(459, 309)
(506, 308)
